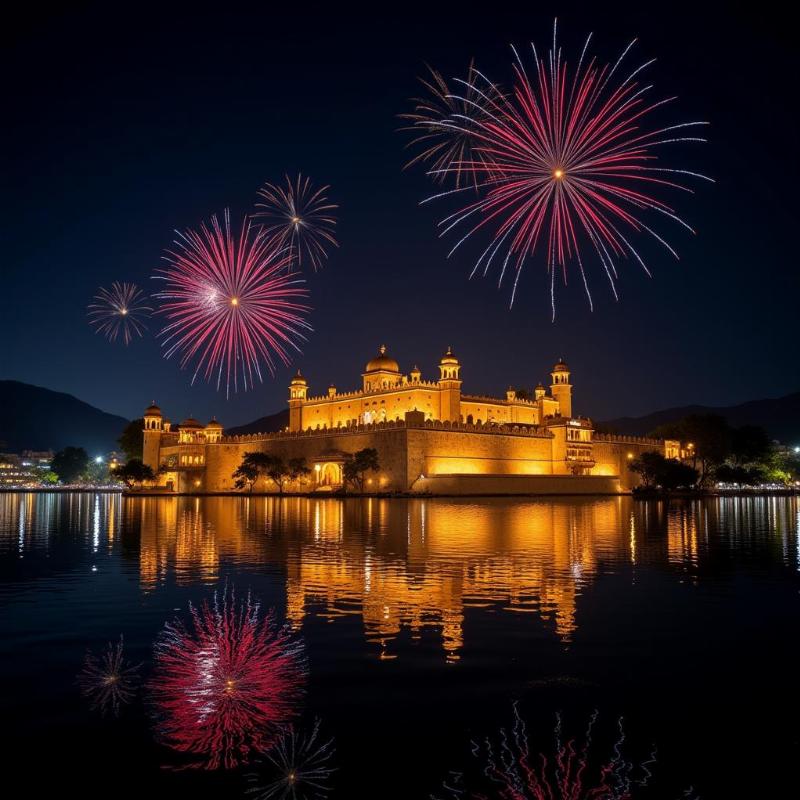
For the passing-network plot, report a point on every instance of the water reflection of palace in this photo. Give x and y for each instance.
(407, 567)
(411, 566)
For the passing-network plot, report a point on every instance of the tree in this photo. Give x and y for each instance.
(735, 473)
(133, 472)
(277, 471)
(131, 440)
(357, 465)
(708, 436)
(750, 445)
(250, 470)
(647, 468)
(667, 473)
(298, 469)
(70, 463)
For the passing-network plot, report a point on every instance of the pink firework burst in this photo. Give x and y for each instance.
(119, 312)
(232, 303)
(568, 164)
(299, 216)
(226, 686)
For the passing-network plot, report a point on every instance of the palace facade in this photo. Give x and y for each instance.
(430, 437)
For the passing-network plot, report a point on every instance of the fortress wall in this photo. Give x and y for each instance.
(445, 452)
(222, 459)
(518, 484)
(611, 456)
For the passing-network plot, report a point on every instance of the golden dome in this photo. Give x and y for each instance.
(449, 357)
(382, 362)
(190, 422)
(561, 366)
(298, 380)
(152, 410)
(214, 424)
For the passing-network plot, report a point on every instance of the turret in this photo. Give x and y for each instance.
(151, 436)
(213, 431)
(298, 392)
(450, 387)
(561, 388)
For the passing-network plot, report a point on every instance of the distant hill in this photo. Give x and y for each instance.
(270, 424)
(34, 418)
(780, 417)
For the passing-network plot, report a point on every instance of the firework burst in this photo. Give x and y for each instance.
(449, 151)
(297, 767)
(232, 303)
(507, 768)
(567, 164)
(108, 682)
(299, 216)
(119, 312)
(225, 686)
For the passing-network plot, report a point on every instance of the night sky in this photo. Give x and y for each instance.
(120, 129)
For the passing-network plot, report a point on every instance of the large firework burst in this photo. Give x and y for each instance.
(231, 302)
(299, 216)
(119, 312)
(226, 685)
(108, 681)
(296, 767)
(449, 151)
(507, 768)
(567, 163)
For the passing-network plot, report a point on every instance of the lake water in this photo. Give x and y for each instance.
(428, 626)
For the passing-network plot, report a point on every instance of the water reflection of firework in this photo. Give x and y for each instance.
(108, 681)
(225, 686)
(296, 768)
(507, 768)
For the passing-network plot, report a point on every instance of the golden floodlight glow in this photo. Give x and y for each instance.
(234, 301)
(558, 173)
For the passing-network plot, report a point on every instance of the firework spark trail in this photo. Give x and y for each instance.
(232, 302)
(297, 767)
(225, 686)
(563, 163)
(110, 681)
(507, 769)
(447, 151)
(119, 311)
(300, 217)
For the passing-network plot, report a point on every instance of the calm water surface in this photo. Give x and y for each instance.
(424, 621)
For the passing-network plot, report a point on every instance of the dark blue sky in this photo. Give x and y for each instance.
(120, 129)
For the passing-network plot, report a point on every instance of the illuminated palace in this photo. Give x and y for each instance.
(430, 437)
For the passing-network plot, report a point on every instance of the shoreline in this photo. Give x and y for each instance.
(406, 495)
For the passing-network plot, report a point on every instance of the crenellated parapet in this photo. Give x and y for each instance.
(620, 439)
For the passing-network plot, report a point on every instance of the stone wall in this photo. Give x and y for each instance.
(464, 450)
(518, 484)
(612, 454)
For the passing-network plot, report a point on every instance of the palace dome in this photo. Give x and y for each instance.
(382, 362)
(190, 422)
(214, 424)
(561, 366)
(449, 357)
(298, 380)
(152, 410)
